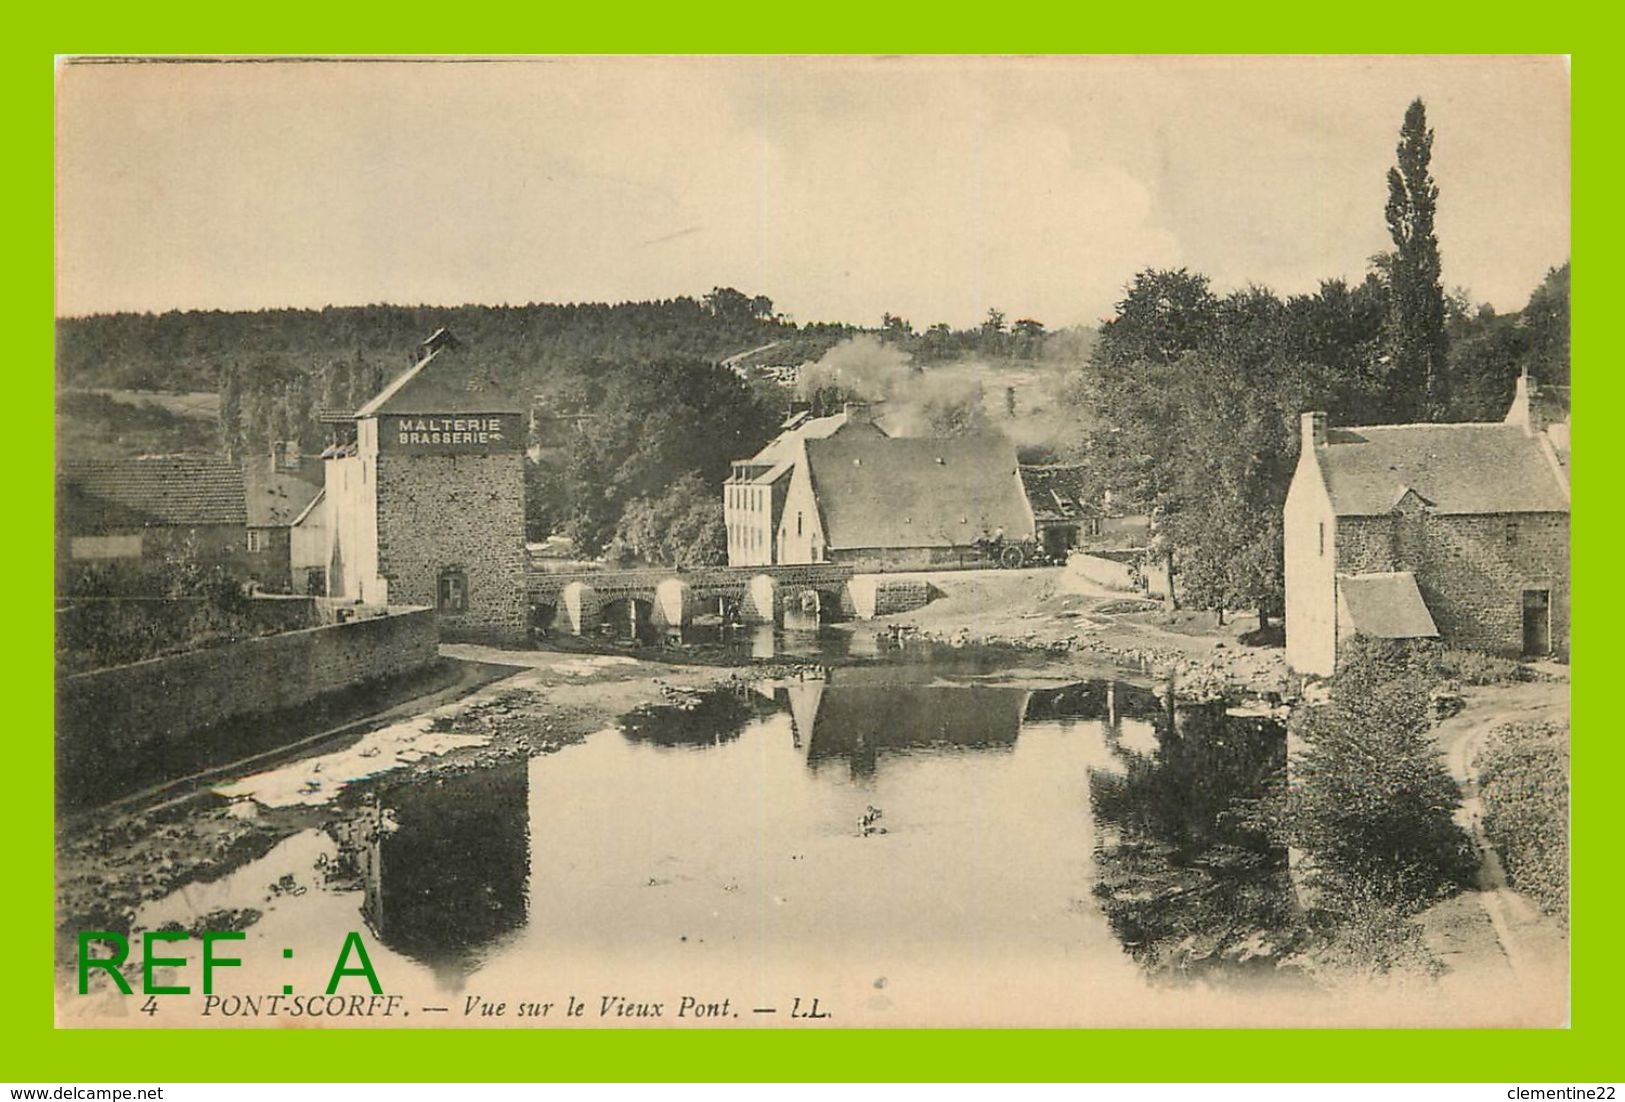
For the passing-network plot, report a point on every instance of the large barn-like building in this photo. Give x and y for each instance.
(838, 489)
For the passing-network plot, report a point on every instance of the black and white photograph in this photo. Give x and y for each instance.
(812, 542)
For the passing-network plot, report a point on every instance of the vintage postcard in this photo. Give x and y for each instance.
(812, 542)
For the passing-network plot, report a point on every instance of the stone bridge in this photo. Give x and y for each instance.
(579, 603)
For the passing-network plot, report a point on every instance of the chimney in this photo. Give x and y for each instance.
(285, 455)
(1521, 412)
(1314, 431)
(857, 413)
(440, 338)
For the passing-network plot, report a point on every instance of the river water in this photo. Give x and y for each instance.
(902, 849)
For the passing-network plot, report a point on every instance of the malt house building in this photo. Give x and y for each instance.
(426, 497)
(1458, 532)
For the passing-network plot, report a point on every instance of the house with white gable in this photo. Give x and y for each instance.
(1455, 532)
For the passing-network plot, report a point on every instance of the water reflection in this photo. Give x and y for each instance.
(876, 817)
(444, 865)
(1188, 878)
(857, 716)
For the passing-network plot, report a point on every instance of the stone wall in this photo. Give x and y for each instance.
(1471, 570)
(892, 595)
(463, 512)
(908, 558)
(107, 715)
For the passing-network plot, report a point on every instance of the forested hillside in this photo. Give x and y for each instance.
(527, 344)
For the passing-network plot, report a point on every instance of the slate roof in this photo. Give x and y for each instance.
(1386, 606)
(275, 499)
(782, 448)
(444, 380)
(166, 491)
(1463, 468)
(916, 492)
(779, 456)
(1057, 492)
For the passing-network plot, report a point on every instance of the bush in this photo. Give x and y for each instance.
(1523, 777)
(1371, 802)
(1361, 934)
(1476, 668)
(683, 528)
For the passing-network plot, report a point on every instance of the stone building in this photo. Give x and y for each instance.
(1458, 532)
(129, 520)
(287, 535)
(425, 498)
(1072, 511)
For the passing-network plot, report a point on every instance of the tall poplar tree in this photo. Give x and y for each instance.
(231, 412)
(1416, 373)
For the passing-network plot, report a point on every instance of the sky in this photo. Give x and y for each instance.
(842, 188)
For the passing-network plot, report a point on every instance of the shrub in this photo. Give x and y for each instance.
(683, 528)
(1476, 668)
(1361, 934)
(1523, 777)
(1370, 800)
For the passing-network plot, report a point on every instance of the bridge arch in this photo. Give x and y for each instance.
(823, 601)
(627, 616)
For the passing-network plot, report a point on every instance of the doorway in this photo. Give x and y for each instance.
(1537, 621)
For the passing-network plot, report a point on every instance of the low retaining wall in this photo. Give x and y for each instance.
(1125, 570)
(1109, 572)
(108, 715)
(874, 595)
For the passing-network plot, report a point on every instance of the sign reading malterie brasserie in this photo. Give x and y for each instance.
(478, 433)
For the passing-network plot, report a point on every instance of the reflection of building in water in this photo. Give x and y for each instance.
(444, 866)
(855, 717)
(1109, 701)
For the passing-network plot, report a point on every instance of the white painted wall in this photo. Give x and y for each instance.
(801, 542)
(352, 520)
(1310, 531)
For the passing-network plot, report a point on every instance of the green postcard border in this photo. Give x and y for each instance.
(35, 1051)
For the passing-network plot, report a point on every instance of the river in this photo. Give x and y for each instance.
(903, 848)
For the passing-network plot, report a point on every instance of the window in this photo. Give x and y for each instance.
(257, 540)
(1322, 527)
(798, 524)
(452, 594)
(1512, 533)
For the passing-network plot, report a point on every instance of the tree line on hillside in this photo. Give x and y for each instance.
(993, 339)
(1200, 394)
(187, 350)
